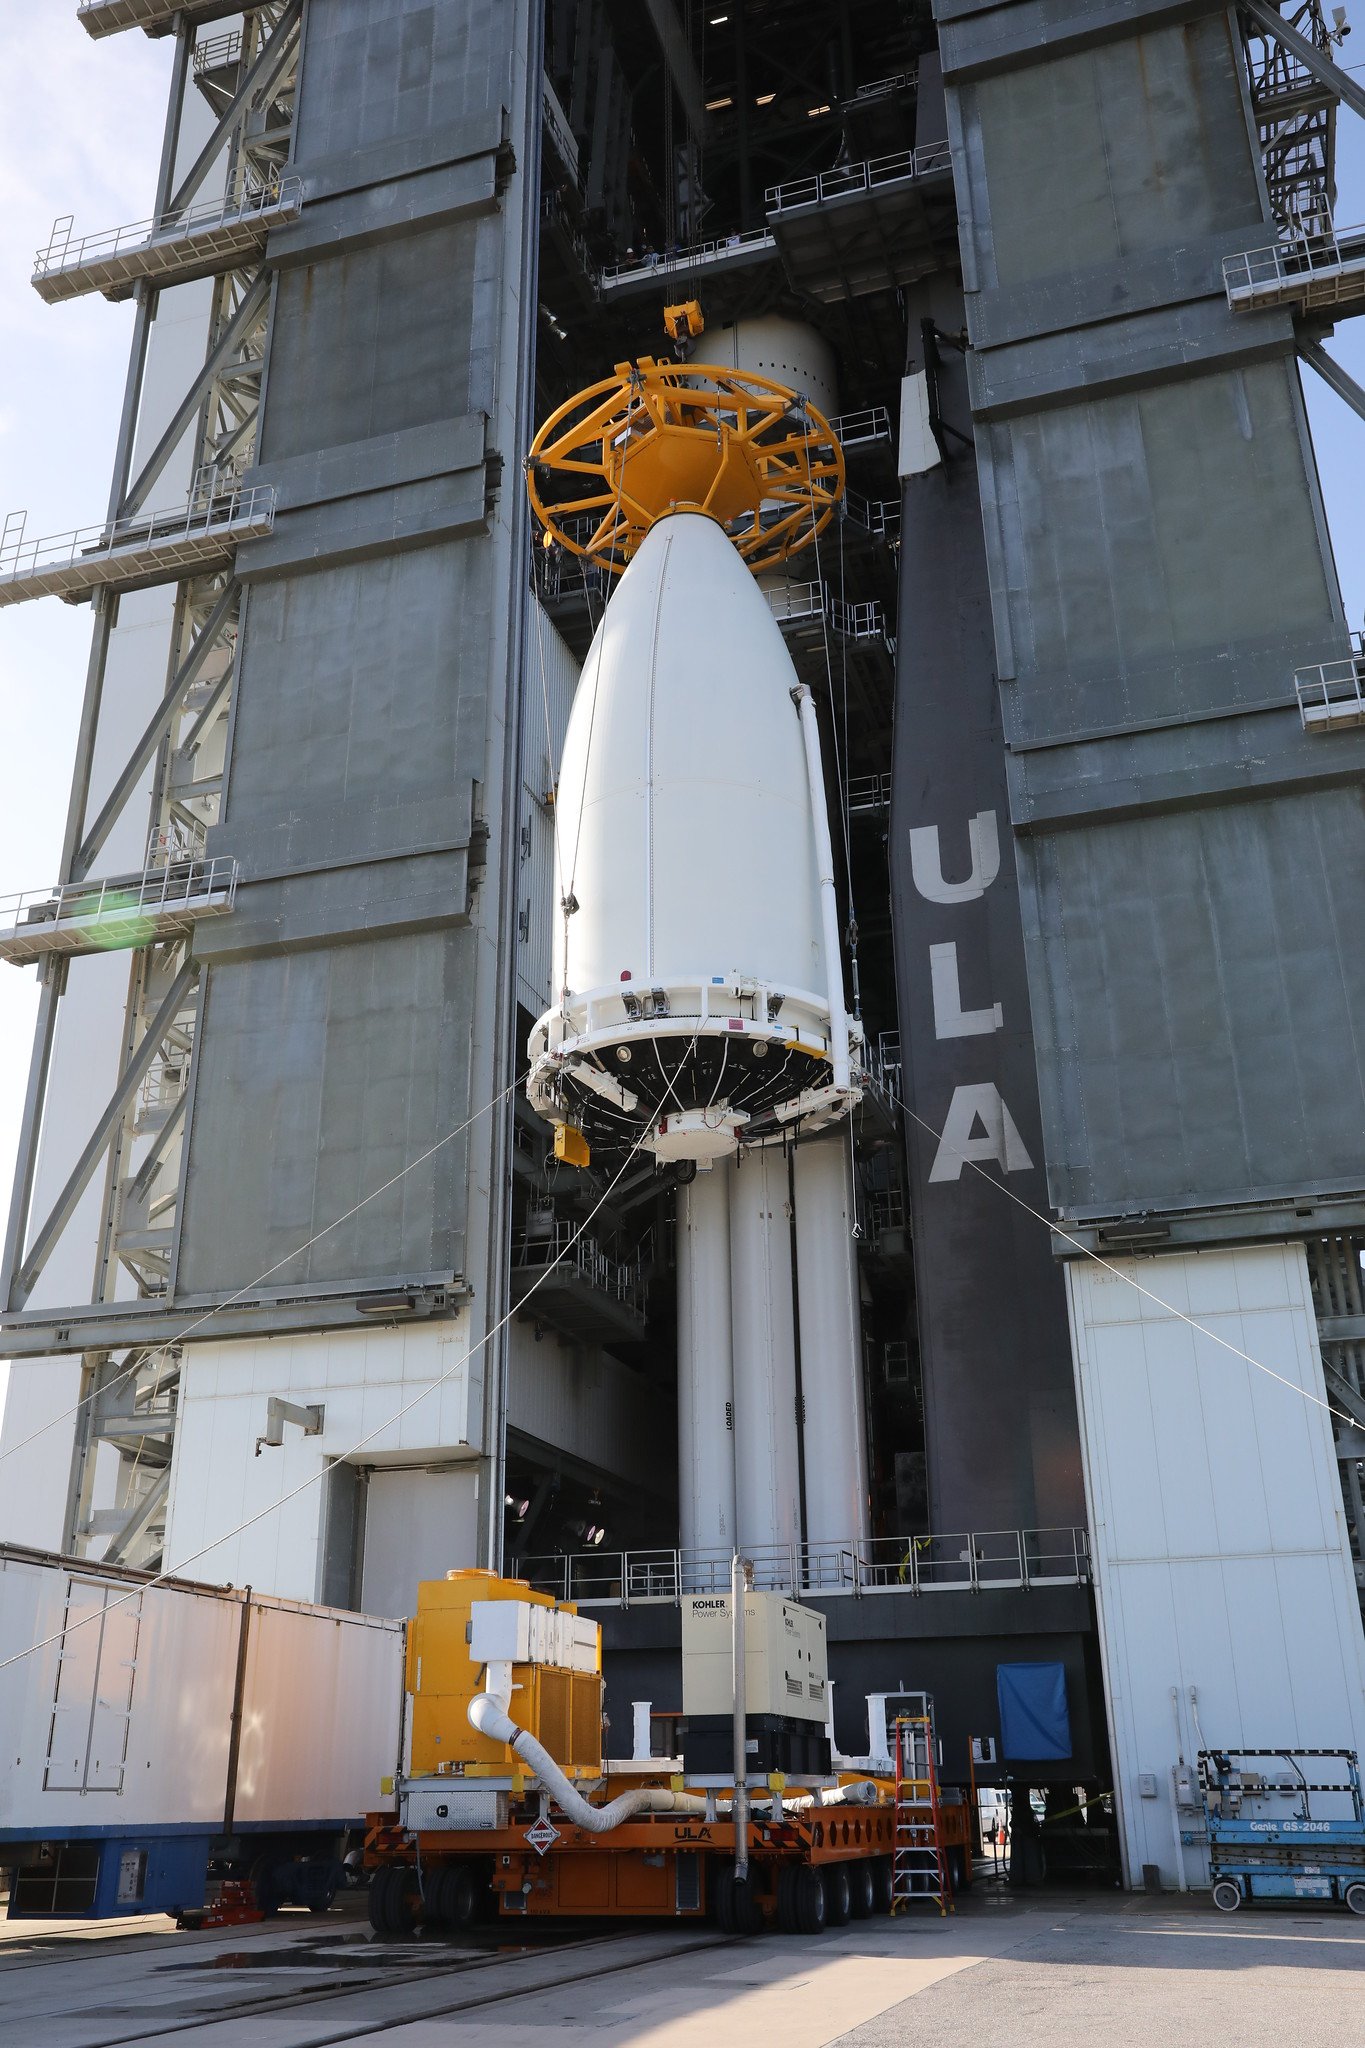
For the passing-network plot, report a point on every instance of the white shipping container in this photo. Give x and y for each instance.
(1224, 1585)
(121, 1719)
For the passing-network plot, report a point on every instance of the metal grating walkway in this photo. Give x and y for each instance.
(107, 17)
(103, 917)
(1332, 695)
(1303, 271)
(202, 241)
(130, 554)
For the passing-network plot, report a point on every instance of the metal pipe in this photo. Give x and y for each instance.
(1175, 1811)
(829, 908)
(235, 1725)
(741, 1579)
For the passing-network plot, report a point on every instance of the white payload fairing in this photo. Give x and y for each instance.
(701, 1018)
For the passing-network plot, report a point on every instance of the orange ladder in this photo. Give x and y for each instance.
(919, 1867)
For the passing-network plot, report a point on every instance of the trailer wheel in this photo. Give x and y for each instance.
(1355, 1898)
(451, 1896)
(861, 1893)
(838, 1903)
(808, 1895)
(734, 1904)
(1227, 1896)
(787, 1920)
(393, 1900)
(263, 1889)
(883, 1885)
(957, 1868)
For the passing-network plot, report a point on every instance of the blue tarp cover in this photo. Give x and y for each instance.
(1034, 1723)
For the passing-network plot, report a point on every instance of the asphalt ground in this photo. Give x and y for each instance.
(1097, 1970)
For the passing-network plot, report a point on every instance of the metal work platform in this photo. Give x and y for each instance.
(866, 227)
(579, 1289)
(128, 910)
(132, 554)
(201, 241)
(1332, 695)
(696, 262)
(1303, 271)
(930, 1564)
(802, 608)
(157, 17)
(865, 429)
(869, 795)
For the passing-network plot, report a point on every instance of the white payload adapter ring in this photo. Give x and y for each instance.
(586, 1054)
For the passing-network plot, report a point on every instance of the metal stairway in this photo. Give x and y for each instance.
(919, 1864)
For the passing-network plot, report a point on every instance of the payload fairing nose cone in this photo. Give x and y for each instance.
(696, 950)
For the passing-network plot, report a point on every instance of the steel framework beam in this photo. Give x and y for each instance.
(263, 74)
(220, 355)
(65, 1205)
(1338, 82)
(1332, 374)
(158, 725)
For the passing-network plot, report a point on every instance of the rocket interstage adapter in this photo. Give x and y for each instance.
(696, 944)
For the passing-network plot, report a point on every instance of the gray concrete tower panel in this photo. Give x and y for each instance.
(1188, 856)
(353, 1012)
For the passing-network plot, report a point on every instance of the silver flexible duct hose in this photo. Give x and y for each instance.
(489, 1715)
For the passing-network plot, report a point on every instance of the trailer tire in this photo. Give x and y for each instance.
(861, 1892)
(263, 1891)
(883, 1885)
(808, 1894)
(787, 1919)
(838, 1902)
(393, 1900)
(1227, 1896)
(1355, 1898)
(723, 1899)
(452, 1897)
(957, 1868)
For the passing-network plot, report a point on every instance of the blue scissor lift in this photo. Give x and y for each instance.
(1257, 1850)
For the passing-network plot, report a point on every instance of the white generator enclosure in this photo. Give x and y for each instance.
(119, 1717)
(1224, 1584)
(786, 1661)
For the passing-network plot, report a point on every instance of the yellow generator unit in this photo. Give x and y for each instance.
(466, 1624)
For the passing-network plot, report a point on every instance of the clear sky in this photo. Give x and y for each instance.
(80, 129)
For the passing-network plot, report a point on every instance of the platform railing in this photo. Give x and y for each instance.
(566, 1246)
(855, 429)
(971, 1562)
(690, 257)
(1333, 692)
(202, 515)
(84, 916)
(793, 603)
(869, 176)
(68, 251)
(1316, 269)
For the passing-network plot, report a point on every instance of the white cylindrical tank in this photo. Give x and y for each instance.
(767, 1449)
(683, 811)
(788, 351)
(706, 1443)
(834, 1431)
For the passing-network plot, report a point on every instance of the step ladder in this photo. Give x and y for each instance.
(919, 1867)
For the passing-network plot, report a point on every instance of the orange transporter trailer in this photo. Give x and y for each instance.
(523, 1817)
